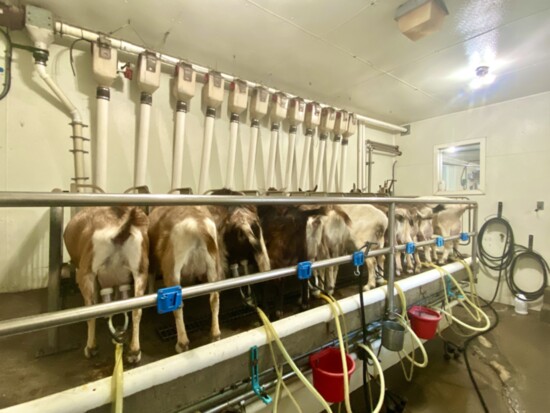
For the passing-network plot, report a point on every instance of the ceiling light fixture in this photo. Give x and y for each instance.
(419, 18)
(483, 78)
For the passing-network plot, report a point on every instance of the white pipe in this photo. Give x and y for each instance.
(179, 144)
(78, 145)
(305, 159)
(320, 160)
(333, 163)
(254, 128)
(142, 144)
(270, 172)
(343, 165)
(278, 162)
(361, 157)
(98, 393)
(100, 169)
(233, 132)
(206, 148)
(64, 29)
(290, 158)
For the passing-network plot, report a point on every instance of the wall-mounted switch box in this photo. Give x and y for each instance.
(540, 206)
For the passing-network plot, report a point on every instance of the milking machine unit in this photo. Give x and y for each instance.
(340, 127)
(279, 108)
(296, 115)
(238, 101)
(258, 109)
(104, 67)
(183, 89)
(312, 120)
(328, 119)
(148, 79)
(350, 131)
(212, 97)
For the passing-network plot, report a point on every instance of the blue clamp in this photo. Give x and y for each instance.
(449, 286)
(168, 299)
(464, 236)
(439, 241)
(358, 258)
(255, 376)
(410, 248)
(304, 270)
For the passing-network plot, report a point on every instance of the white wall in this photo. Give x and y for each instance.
(517, 167)
(34, 150)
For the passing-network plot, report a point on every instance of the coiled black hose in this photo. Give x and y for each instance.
(523, 254)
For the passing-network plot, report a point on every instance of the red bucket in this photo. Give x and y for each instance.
(328, 375)
(424, 321)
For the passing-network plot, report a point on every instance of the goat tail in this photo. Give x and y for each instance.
(125, 229)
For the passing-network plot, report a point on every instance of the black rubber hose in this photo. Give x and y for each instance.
(7, 83)
(527, 254)
(467, 343)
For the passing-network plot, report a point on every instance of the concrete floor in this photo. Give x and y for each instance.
(519, 344)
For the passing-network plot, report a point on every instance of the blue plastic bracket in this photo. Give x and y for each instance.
(410, 248)
(439, 241)
(304, 270)
(168, 299)
(358, 258)
(464, 236)
(255, 376)
(449, 286)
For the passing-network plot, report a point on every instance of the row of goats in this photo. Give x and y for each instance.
(111, 247)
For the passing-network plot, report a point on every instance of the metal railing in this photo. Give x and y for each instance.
(55, 200)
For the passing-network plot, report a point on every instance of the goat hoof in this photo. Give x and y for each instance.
(417, 270)
(181, 347)
(215, 337)
(278, 315)
(316, 293)
(410, 271)
(133, 356)
(90, 352)
(379, 282)
(441, 262)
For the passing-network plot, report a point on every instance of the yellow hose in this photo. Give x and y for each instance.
(381, 374)
(117, 381)
(335, 313)
(480, 314)
(271, 330)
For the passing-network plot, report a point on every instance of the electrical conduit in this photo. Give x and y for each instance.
(320, 158)
(334, 161)
(179, 142)
(305, 158)
(254, 129)
(290, 156)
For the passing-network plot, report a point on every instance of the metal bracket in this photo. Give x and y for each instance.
(439, 241)
(169, 299)
(255, 376)
(410, 248)
(303, 269)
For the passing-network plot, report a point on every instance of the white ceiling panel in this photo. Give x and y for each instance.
(345, 52)
(390, 100)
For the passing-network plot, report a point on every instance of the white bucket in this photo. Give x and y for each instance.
(520, 305)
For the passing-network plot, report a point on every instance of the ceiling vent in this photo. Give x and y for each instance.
(419, 18)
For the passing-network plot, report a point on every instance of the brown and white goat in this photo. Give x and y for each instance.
(447, 222)
(368, 224)
(240, 236)
(328, 235)
(109, 247)
(184, 248)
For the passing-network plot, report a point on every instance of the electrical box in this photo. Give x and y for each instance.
(185, 79)
(341, 124)
(328, 119)
(259, 103)
(212, 91)
(148, 72)
(296, 111)
(238, 96)
(279, 107)
(104, 62)
(352, 125)
(313, 115)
